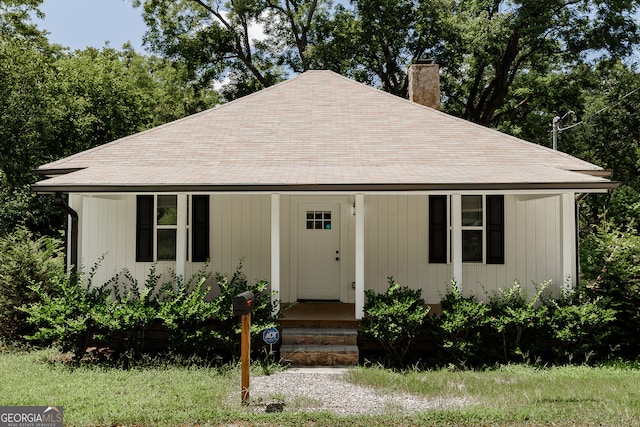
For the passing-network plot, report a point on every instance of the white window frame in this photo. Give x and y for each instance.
(157, 227)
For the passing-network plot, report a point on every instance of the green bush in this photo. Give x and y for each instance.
(68, 314)
(262, 315)
(578, 327)
(462, 326)
(395, 318)
(74, 314)
(127, 310)
(517, 319)
(514, 326)
(25, 261)
(610, 264)
(186, 311)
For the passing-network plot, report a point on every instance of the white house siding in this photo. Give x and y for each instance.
(107, 231)
(532, 247)
(240, 229)
(396, 241)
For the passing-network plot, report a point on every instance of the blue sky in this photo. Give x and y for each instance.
(80, 23)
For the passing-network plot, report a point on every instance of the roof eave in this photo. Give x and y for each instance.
(586, 187)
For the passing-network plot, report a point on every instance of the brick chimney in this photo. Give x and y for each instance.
(424, 83)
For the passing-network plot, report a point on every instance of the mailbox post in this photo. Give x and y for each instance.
(242, 305)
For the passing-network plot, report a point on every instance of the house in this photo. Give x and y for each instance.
(325, 187)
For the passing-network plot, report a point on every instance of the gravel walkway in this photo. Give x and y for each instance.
(326, 389)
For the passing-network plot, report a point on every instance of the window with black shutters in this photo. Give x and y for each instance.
(156, 227)
(482, 221)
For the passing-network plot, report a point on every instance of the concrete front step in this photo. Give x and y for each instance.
(319, 347)
(320, 355)
(319, 336)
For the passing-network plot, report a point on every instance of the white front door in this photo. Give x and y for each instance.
(318, 251)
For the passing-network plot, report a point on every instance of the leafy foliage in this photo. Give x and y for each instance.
(186, 312)
(25, 261)
(73, 314)
(517, 319)
(579, 328)
(262, 314)
(513, 326)
(69, 314)
(395, 318)
(610, 259)
(462, 325)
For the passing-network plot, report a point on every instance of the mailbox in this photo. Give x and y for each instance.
(243, 303)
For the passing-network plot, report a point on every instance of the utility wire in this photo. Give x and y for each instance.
(600, 111)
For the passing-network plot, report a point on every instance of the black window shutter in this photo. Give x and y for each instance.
(438, 229)
(200, 228)
(495, 229)
(144, 228)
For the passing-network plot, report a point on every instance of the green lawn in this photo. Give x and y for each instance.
(170, 395)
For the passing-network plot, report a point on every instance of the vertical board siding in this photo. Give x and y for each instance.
(396, 242)
(240, 230)
(397, 245)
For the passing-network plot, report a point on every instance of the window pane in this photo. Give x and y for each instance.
(471, 211)
(167, 210)
(167, 245)
(472, 245)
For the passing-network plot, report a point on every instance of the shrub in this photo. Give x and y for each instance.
(186, 311)
(262, 315)
(578, 327)
(68, 314)
(74, 314)
(25, 261)
(127, 310)
(394, 318)
(462, 326)
(610, 264)
(516, 319)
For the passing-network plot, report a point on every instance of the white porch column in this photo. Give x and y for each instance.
(456, 239)
(275, 247)
(359, 256)
(181, 236)
(568, 243)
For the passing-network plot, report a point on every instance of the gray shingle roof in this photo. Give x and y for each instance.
(319, 130)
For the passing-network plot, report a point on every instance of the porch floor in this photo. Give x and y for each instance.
(319, 315)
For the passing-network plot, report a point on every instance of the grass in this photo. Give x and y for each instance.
(522, 395)
(164, 394)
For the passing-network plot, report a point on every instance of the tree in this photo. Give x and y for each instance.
(15, 18)
(55, 103)
(492, 46)
(214, 40)
(486, 48)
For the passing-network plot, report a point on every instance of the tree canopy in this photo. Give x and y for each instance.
(55, 103)
(485, 47)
